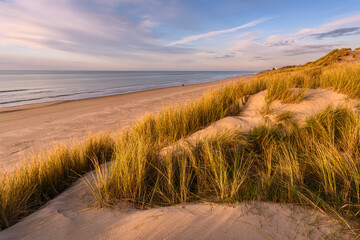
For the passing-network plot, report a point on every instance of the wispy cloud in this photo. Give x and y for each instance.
(344, 22)
(310, 48)
(215, 33)
(228, 55)
(340, 32)
(132, 35)
(279, 49)
(75, 27)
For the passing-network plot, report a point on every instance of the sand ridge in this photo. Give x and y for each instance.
(68, 216)
(315, 101)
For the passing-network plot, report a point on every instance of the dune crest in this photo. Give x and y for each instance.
(254, 113)
(69, 217)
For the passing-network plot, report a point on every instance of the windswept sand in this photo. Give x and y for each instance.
(353, 57)
(28, 128)
(315, 101)
(69, 217)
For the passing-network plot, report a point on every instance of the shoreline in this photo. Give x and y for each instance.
(48, 103)
(33, 127)
(26, 95)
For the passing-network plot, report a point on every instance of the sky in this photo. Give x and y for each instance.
(172, 34)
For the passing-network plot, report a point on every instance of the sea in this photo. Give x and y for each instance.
(27, 87)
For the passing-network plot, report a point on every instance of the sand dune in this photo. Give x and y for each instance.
(315, 101)
(69, 217)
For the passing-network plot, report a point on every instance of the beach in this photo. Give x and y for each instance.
(245, 161)
(30, 128)
(73, 215)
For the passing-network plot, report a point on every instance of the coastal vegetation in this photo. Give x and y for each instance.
(316, 164)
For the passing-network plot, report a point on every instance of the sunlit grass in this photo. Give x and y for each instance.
(284, 91)
(38, 181)
(316, 164)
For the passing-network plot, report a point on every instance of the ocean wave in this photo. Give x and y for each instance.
(13, 90)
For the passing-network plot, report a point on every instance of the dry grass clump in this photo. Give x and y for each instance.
(266, 164)
(137, 149)
(38, 181)
(285, 116)
(342, 78)
(280, 90)
(317, 164)
(332, 57)
(286, 119)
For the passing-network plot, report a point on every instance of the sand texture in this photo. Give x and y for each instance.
(353, 57)
(252, 114)
(69, 217)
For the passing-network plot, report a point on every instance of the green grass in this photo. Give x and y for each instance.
(316, 164)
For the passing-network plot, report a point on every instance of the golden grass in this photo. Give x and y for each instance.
(281, 89)
(317, 164)
(262, 165)
(285, 116)
(332, 57)
(37, 181)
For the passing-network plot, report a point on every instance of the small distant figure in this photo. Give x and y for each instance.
(182, 85)
(274, 68)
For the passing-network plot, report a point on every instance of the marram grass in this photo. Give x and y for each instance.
(36, 182)
(316, 164)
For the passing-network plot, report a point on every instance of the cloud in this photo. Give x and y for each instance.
(277, 41)
(214, 33)
(345, 22)
(340, 32)
(95, 28)
(262, 58)
(229, 55)
(132, 35)
(280, 48)
(306, 49)
(275, 47)
(242, 35)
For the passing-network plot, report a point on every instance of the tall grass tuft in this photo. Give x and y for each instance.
(280, 89)
(26, 189)
(316, 163)
(267, 164)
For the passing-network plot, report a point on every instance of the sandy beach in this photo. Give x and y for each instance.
(30, 128)
(76, 214)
